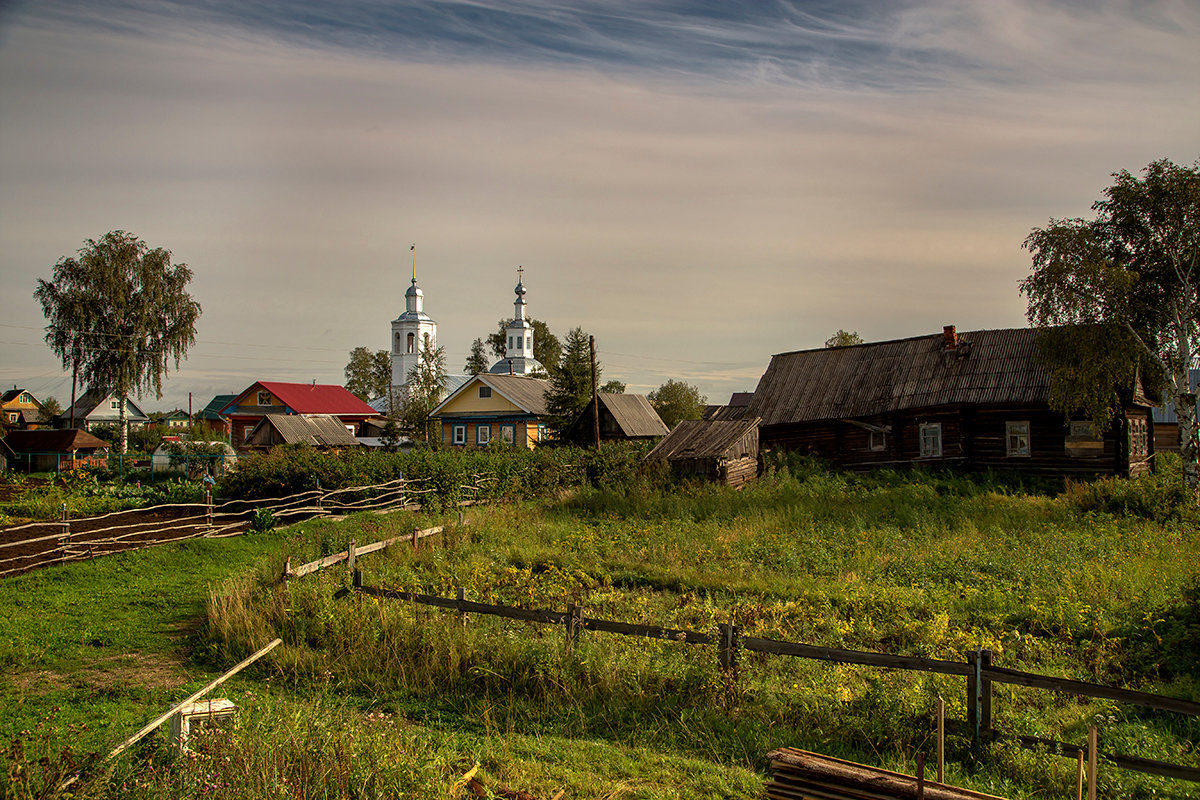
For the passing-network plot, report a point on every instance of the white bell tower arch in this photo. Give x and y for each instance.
(408, 334)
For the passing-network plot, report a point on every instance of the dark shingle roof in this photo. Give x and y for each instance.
(702, 438)
(45, 440)
(988, 366)
(634, 414)
(321, 430)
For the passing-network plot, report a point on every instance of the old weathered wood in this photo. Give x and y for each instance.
(920, 776)
(1093, 760)
(351, 556)
(941, 740)
(801, 774)
(460, 595)
(159, 720)
(840, 656)
(1079, 777)
(1133, 763)
(1019, 678)
(647, 631)
(728, 635)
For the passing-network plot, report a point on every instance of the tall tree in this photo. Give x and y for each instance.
(50, 408)
(477, 361)
(547, 348)
(843, 339)
(677, 400)
(368, 374)
(613, 387)
(118, 314)
(1125, 289)
(571, 382)
(426, 388)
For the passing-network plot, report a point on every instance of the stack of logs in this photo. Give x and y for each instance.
(801, 775)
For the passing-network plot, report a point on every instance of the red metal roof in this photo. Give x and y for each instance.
(315, 398)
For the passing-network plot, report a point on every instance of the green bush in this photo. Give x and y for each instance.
(1160, 495)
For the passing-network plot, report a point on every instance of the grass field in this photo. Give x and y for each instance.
(374, 698)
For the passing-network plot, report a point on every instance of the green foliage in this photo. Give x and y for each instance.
(262, 521)
(677, 400)
(118, 314)
(50, 408)
(425, 389)
(1160, 496)
(477, 362)
(613, 387)
(368, 374)
(571, 383)
(1119, 296)
(843, 339)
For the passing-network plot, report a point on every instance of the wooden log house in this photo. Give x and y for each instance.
(722, 450)
(974, 400)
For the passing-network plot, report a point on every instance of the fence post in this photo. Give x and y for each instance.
(729, 641)
(356, 579)
(319, 494)
(287, 568)
(66, 524)
(351, 556)
(461, 595)
(985, 693)
(208, 517)
(416, 539)
(1093, 760)
(979, 698)
(574, 624)
(941, 740)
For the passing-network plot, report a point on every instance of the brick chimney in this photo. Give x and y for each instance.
(950, 337)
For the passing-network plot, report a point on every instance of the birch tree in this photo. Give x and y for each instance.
(1120, 294)
(117, 315)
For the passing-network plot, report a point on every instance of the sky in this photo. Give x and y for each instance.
(699, 185)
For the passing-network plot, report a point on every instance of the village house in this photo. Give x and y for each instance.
(94, 408)
(1166, 422)
(276, 398)
(20, 410)
(323, 431)
(971, 400)
(509, 409)
(623, 417)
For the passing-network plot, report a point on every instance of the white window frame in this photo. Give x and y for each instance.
(931, 439)
(12, 416)
(249, 429)
(1017, 439)
(485, 392)
(258, 398)
(24, 398)
(114, 404)
(876, 441)
(458, 434)
(508, 434)
(483, 434)
(1138, 438)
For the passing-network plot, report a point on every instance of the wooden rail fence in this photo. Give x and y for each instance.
(69, 539)
(977, 669)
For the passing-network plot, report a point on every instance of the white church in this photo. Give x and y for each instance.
(414, 330)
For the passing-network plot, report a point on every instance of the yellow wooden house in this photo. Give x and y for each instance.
(508, 410)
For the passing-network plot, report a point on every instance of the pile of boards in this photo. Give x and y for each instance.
(801, 775)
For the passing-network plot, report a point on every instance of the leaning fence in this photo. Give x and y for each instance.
(42, 543)
(977, 669)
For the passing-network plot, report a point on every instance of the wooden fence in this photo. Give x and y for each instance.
(63, 540)
(978, 669)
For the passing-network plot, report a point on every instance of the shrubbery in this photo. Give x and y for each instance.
(1160, 495)
(449, 476)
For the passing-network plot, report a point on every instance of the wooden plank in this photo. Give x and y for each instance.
(647, 631)
(855, 656)
(1134, 763)
(1019, 678)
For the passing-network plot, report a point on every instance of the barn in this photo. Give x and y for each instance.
(972, 400)
(722, 450)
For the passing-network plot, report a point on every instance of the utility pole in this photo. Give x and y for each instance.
(595, 398)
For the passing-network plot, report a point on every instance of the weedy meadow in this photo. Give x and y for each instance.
(375, 697)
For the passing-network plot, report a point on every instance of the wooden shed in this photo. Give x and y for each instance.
(319, 430)
(623, 417)
(53, 450)
(972, 400)
(722, 450)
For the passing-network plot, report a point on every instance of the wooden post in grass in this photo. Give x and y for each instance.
(574, 624)
(1093, 759)
(920, 776)
(208, 514)
(941, 740)
(416, 539)
(356, 579)
(1079, 777)
(351, 556)
(979, 698)
(461, 596)
(729, 640)
(287, 568)
(66, 525)
(320, 493)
